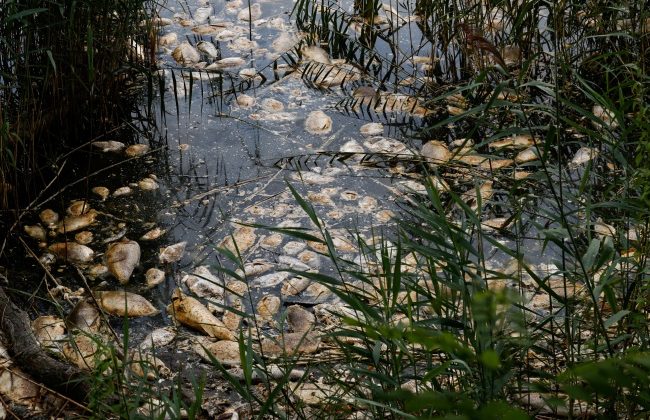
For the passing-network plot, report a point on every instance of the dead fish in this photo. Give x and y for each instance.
(290, 344)
(470, 197)
(287, 262)
(299, 319)
(172, 253)
(225, 63)
(245, 101)
(74, 223)
(272, 241)
(224, 351)
(294, 247)
(72, 252)
(84, 238)
(202, 14)
(527, 155)
(49, 217)
(148, 366)
(191, 312)
(318, 122)
(102, 192)
(153, 234)
(244, 237)
(584, 155)
(294, 286)
(36, 231)
(78, 207)
(204, 284)
(521, 141)
(121, 303)
(603, 229)
(116, 236)
(154, 277)
(109, 146)
(85, 317)
(352, 146)
(255, 268)
(97, 270)
(496, 164)
(318, 292)
(49, 330)
(272, 105)
(122, 192)
(436, 152)
(84, 352)
(186, 54)
(157, 338)
(315, 53)
(268, 307)
(208, 49)
(243, 44)
(136, 150)
(147, 184)
(269, 280)
(251, 13)
(122, 258)
(607, 117)
(168, 39)
(372, 129)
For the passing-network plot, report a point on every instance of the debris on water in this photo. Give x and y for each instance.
(172, 253)
(224, 351)
(299, 319)
(49, 217)
(102, 192)
(122, 192)
(136, 150)
(72, 252)
(186, 54)
(153, 234)
(251, 13)
(109, 146)
(191, 312)
(122, 258)
(584, 155)
(36, 231)
(84, 237)
(121, 303)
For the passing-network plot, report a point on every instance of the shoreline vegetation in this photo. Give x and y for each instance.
(535, 140)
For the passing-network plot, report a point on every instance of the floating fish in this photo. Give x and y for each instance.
(154, 277)
(191, 312)
(74, 223)
(299, 319)
(318, 122)
(224, 351)
(120, 303)
(122, 258)
(251, 13)
(36, 231)
(49, 217)
(102, 192)
(136, 150)
(186, 54)
(109, 146)
(153, 234)
(172, 253)
(72, 252)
